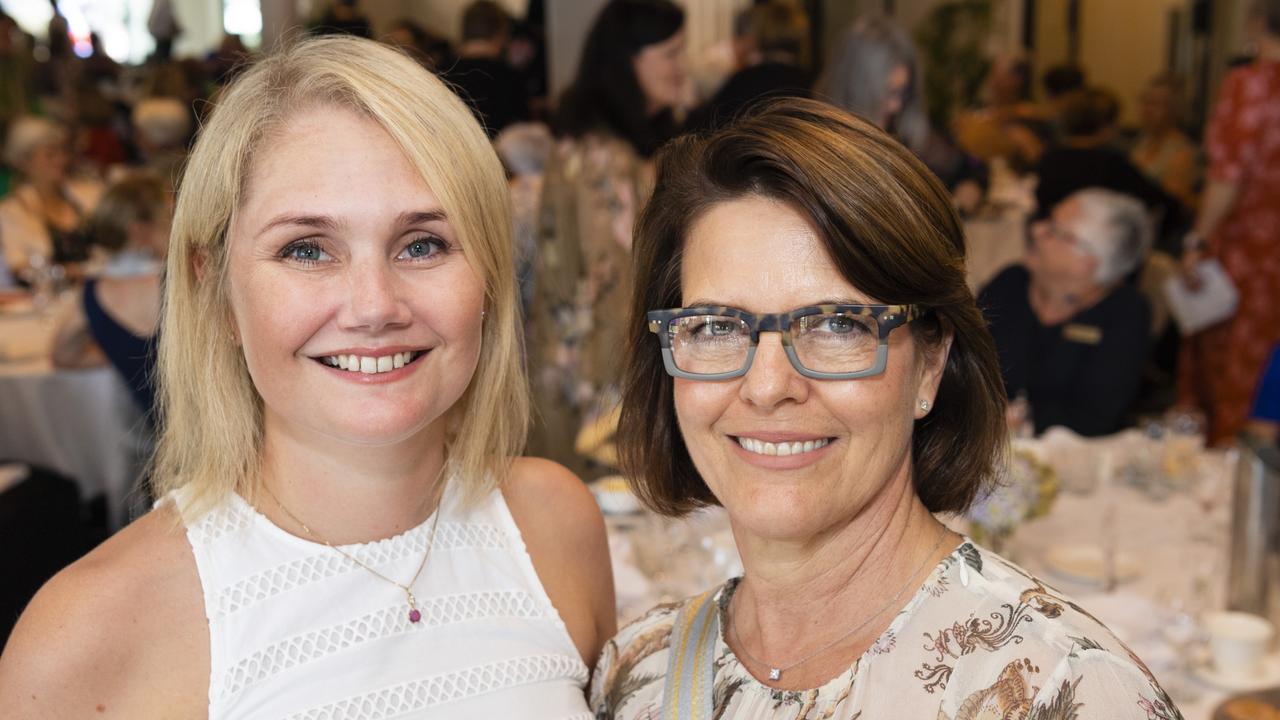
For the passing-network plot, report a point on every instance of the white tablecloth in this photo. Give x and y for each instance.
(82, 423)
(1176, 542)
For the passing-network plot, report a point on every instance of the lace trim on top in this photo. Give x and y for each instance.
(436, 612)
(419, 694)
(263, 585)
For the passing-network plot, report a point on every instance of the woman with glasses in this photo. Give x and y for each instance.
(1073, 336)
(804, 352)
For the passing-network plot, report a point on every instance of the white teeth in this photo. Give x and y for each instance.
(369, 365)
(761, 447)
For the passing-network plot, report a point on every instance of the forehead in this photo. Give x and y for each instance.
(761, 255)
(332, 161)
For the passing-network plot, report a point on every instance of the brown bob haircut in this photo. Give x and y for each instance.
(888, 226)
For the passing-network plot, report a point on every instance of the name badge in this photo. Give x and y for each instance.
(1086, 334)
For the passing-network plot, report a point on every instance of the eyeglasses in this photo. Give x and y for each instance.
(824, 342)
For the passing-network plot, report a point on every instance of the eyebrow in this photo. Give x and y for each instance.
(327, 222)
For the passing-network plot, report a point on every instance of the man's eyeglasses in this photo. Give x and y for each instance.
(824, 342)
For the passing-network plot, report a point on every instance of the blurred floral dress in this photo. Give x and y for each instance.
(594, 190)
(980, 639)
(1220, 367)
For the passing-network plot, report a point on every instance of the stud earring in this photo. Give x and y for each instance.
(924, 405)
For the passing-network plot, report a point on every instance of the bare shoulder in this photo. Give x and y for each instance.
(564, 531)
(550, 490)
(98, 635)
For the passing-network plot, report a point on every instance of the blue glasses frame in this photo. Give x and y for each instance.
(887, 318)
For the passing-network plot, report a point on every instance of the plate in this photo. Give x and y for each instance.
(1087, 563)
(1268, 678)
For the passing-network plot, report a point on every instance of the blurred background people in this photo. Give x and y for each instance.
(1071, 334)
(481, 75)
(344, 17)
(1088, 157)
(163, 25)
(1008, 125)
(1059, 82)
(41, 216)
(1162, 150)
(618, 111)
(1239, 225)
(114, 316)
(872, 72)
(774, 52)
(161, 130)
(432, 50)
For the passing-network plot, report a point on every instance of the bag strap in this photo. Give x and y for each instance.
(690, 671)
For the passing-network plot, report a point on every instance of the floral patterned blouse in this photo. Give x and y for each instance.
(980, 639)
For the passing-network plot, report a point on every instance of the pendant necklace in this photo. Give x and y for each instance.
(415, 615)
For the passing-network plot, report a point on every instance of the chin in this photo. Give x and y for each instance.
(774, 513)
(375, 430)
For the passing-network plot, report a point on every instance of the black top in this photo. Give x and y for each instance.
(132, 356)
(765, 80)
(493, 89)
(1064, 170)
(1082, 374)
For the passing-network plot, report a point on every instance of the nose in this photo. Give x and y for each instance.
(374, 298)
(772, 379)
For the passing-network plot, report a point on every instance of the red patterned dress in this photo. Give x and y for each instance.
(1220, 367)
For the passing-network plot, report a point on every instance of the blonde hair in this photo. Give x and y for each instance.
(210, 412)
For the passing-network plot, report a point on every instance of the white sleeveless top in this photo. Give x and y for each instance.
(296, 630)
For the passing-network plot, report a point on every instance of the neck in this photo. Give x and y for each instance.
(347, 493)
(796, 596)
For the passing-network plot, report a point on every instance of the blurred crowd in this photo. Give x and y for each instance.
(1084, 324)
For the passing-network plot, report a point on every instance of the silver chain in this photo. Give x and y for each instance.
(775, 672)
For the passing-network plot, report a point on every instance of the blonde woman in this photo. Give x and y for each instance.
(343, 530)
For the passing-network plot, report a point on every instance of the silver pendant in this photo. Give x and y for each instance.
(775, 673)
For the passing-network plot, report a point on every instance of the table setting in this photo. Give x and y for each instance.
(82, 423)
(1137, 527)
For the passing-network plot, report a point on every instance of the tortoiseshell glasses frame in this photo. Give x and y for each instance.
(883, 318)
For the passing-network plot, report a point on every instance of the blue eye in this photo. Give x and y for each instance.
(424, 247)
(304, 251)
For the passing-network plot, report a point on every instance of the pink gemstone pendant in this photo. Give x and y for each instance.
(414, 615)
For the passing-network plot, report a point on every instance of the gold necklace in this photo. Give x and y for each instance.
(414, 614)
(775, 672)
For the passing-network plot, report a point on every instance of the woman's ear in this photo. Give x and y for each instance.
(933, 365)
